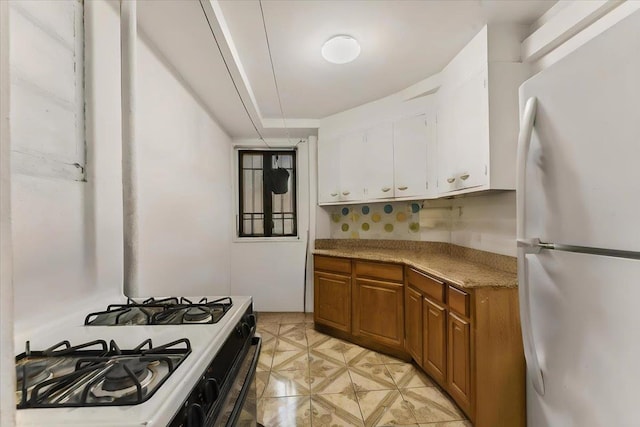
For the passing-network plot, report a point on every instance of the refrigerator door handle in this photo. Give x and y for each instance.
(526, 246)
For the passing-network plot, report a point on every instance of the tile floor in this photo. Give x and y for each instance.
(306, 378)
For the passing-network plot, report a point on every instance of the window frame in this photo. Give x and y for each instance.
(267, 159)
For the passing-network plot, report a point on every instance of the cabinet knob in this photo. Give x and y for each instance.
(334, 194)
(346, 193)
(450, 180)
(464, 177)
(404, 187)
(385, 189)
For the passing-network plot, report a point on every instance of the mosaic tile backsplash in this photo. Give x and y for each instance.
(394, 220)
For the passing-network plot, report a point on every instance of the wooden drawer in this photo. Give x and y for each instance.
(377, 270)
(426, 284)
(459, 301)
(327, 263)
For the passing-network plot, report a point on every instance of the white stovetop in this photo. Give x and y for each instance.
(205, 340)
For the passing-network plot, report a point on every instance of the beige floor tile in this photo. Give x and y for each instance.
(430, 405)
(265, 361)
(330, 380)
(335, 410)
(269, 317)
(290, 360)
(315, 338)
(287, 344)
(292, 318)
(405, 375)
(333, 356)
(271, 328)
(287, 383)
(285, 411)
(371, 377)
(313, 378)
(355, 356)
(384, 407)
(390, 359)
(296, 331)
(449, 424)
(332, 343)
(262, 378)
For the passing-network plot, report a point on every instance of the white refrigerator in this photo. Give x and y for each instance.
(578, 196)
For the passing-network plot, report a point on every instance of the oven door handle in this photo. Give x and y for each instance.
(257, 341)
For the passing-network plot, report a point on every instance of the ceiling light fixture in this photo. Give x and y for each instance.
(341, 49)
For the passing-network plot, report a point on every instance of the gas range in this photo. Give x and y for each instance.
(140, 374)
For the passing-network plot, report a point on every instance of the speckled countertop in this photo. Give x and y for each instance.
(453, 264)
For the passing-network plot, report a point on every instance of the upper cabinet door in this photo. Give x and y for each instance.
(352, 171)
(411, 138)
(328, 170)
(463, 135)
(377, 158)
(472, 119)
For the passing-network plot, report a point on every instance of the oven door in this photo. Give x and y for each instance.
(239, 407)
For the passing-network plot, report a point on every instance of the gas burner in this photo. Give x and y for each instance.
(95, 374)
(124, 373)
(164, 311)
(35, 372)
(197, 315)
(123, 378)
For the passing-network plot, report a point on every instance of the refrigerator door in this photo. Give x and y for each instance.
(583, 168)
(584, 310)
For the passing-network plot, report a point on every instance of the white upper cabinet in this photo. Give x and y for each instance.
(340, 168)
(478, 115)
(352, 169)
(414, 145)
(377, 159)
(329, 170)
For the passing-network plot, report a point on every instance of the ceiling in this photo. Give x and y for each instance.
(402, 42)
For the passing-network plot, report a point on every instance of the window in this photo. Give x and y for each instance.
(267, 193)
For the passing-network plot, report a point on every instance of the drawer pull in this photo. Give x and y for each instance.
(385, 189)
(346, 193)
(403, 188)
(451, 180)
(334, 194)
(464, 177)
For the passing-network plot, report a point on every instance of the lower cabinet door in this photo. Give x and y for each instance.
(332, 300)
(379, 311)
(413, 323)
(434, 340)
(459, 361)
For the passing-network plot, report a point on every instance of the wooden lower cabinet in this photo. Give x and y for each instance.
(467, 340)
(434, 352)
(378, 311)
(459, 361)
(332, 300)
(413, 324)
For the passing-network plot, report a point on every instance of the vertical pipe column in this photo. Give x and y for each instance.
(128, 36)
(7, 360)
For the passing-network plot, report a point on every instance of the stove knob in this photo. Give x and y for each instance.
(251, 319)
(246, 329)
(211, 391)
(195, 416)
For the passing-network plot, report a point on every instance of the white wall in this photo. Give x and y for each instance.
(184, 186)
(55, 227)
(273, 270)
(7, 361)
(487, 222)
(183, 172)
